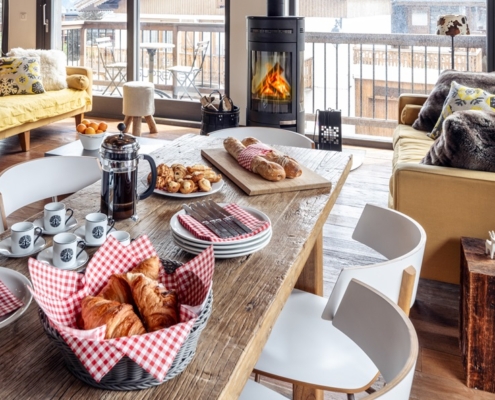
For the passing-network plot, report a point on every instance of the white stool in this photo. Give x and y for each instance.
(139, 101)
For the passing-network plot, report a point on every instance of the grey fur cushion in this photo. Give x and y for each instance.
(432, 108)
(467, 141)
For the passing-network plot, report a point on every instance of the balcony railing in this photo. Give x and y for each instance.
(360, 74)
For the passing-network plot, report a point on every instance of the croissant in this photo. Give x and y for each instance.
(158, 308)
(117, 289)
(120, 319)
(149, 268)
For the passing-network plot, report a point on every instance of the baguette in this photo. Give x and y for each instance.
(291, 167)
(265, 168)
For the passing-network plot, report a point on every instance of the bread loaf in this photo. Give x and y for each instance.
(233, 146)
(291, 167)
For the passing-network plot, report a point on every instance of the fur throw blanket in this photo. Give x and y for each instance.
(432, 108)
(467, 141)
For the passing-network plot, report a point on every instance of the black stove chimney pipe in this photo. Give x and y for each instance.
(275, 8)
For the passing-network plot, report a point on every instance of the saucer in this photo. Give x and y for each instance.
(71, 223)
(81, 234)
(5, 246)
(46, 256)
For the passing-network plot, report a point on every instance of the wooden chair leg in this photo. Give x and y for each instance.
(127, 122)
(151, 123)
(25, 140)
(406, 289)
(136, 126)
(79, 118)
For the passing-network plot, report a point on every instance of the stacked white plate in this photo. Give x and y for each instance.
(232, 248)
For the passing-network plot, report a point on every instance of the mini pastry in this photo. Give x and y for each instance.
(204, 185)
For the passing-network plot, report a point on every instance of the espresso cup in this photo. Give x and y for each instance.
(64, 250)
(55, 217)
(96, 228)
(23, 237)
(122, 236)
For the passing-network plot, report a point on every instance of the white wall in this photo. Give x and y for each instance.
(22, 32)
(239, 10)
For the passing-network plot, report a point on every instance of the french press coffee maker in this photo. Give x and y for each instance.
(119, 159)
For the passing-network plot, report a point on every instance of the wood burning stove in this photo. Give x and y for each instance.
(275, 79)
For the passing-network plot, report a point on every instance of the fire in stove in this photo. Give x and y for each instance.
(274, 85)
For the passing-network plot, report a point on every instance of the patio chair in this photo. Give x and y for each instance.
(304, 336)
(114, 71)
(371, 326)
(42, 178)
(267, 136)
(185, 75)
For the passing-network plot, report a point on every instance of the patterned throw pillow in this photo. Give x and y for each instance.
(463, 98)
(20, 75)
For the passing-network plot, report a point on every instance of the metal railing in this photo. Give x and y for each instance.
(360, 74)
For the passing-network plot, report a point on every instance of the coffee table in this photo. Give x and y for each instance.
(147, 145)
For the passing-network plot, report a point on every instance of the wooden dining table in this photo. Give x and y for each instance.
(249, 292)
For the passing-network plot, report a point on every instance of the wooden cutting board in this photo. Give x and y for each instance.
(253, 184)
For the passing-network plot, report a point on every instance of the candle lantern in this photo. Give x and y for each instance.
(329, 125)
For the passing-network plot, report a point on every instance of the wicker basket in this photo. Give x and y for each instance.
(126, 374)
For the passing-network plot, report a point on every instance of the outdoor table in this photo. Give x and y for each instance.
(152, 48)
(248, 292)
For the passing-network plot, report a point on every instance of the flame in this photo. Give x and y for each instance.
(274, 83)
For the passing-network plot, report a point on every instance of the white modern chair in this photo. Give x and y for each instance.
(304, 346)
(267, 136)
(42, 178)
(370, 323)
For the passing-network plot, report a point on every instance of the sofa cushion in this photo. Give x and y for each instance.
(23, 109)
(407, 131)
(467, 142)
(53, 63)
(77, 81)
(432, 108)
(20, 75)
(463, 98)
(409, 114)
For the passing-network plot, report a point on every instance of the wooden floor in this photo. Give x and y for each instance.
(435, 315)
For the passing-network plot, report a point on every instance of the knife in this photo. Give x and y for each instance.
(212, 220)
(227, 215)
(231, 228)
(197, 217)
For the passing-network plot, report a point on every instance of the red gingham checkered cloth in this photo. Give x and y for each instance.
(59, 294)
(8, 302)
(246, 156)
(202, 232)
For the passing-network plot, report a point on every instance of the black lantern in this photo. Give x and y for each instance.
(329, 125)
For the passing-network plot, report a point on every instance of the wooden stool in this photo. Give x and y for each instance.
(139, 101)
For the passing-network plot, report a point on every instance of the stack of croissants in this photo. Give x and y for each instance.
(132, 303)
(272, 166)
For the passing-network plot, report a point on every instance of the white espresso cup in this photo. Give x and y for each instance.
(122, 236)
(23, 237)
(96, 228)
(65, 250)
(55, 217)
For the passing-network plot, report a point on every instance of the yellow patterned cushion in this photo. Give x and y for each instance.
(463, 98)
(20, 75)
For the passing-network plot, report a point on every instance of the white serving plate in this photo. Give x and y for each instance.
(215, 187)
(17, 284)
(182, 232)
(224, 246)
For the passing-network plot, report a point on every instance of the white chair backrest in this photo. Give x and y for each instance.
(42, 178)
(382, 330)
(394, 235)
(267, 136)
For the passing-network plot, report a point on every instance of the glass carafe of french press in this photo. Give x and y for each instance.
(119, 159)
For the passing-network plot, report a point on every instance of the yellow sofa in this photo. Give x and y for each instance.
(21, 113)
(447, 202)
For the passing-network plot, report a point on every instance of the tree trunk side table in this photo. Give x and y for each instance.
(477, 315)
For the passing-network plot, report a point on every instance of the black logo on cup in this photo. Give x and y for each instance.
(55, 221)
(25, 242)
(98, 232)
(66, 255)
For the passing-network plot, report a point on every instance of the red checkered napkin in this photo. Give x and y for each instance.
(59, 293)
(202, 232)
(8, 302)
(246, 156)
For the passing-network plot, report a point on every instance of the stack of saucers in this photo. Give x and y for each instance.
(228, 248)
